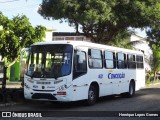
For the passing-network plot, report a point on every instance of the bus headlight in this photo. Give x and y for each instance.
(26, 86)
(63, 87)
(30, 80)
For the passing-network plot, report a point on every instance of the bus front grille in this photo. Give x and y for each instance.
(43, 96)
(44, 90)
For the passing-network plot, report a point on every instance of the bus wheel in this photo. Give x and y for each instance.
(131, 89)
(92, 96)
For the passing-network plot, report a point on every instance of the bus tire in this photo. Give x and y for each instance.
(92, 96)
(131, 91)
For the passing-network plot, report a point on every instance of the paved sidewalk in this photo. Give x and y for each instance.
(13, 85)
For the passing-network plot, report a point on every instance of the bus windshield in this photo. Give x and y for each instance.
(49, 61)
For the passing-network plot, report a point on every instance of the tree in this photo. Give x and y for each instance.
(154, 41)
(155, 60)
(123, 40)
(16, 34)
(102, 20)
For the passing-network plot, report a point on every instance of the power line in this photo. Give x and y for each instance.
(9, 1)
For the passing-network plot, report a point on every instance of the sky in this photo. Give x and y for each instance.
(29, 8)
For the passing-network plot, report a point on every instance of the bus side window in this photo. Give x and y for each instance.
(121, 61)
(110, 60)
(131, 61)
(139, 60)
(80, 64)
(95, 58)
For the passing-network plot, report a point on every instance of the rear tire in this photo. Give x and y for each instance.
(131, 91)
(92, 96)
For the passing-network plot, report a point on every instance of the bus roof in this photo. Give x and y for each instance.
(77, 44)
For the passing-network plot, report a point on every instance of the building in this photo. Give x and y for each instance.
(142, 45)
(49, 35)
(69, 36)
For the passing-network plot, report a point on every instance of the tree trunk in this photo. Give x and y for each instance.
(76, 26)
(4, 79)
(9, 65)
(155, 74)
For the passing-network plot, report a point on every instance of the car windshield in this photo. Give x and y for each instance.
(49, 61)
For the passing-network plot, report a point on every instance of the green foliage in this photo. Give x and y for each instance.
(103, 20)
(156, 57)
(151, 79)
(154, 34)
(154, 42)
(122, 40)
(16, 34)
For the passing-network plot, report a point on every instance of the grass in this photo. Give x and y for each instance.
(151, 82)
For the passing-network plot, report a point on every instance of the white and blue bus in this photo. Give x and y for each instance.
(77, 70)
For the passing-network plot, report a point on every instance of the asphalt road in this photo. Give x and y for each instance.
(145, 102)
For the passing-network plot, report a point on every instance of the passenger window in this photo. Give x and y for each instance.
(139, 61)
(95, 58)
(121, 61)
(110, 61)
(131, 61)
